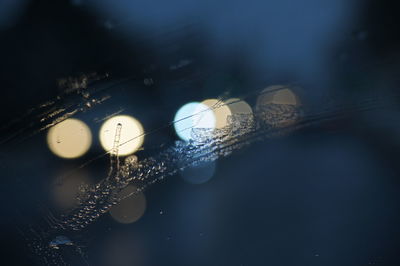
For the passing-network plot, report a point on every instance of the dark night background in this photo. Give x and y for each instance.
(326, 195)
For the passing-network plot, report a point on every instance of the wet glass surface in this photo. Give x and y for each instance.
(199, 132)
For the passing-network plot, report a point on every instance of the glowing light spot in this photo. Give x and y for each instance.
(199, 174)
(123, 248)
(183, 121)
(129, 209)
(203, 117)
(193, 115)
(238, 106)
(69, 139)
(131, 134)
(278, 106)
(221, 111)
(65, 192)
(278, 94)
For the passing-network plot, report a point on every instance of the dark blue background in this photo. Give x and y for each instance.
(326, 195)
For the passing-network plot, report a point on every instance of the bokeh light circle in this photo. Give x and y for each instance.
(278, 106)
(131, 138)
(131, 208)
(199, 174)
(221, 111)
(66, 190)
(69, 139)
(238, 106)
(192, 115)
(278, 94)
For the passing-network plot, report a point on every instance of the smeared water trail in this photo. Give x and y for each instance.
(77, 96)
(207, 145)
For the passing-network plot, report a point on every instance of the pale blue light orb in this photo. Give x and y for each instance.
(199, 174)
(193, 115)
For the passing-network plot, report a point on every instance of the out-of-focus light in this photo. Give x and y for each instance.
(122, 248)
(193, 115)
(278, 94)
(131, 135)
(183, 120)
(221, 111)
(203, 117)
(278, 106)
(131, 208)
(69, 139)
(65, 192)
(238, 106)
(199, 174)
